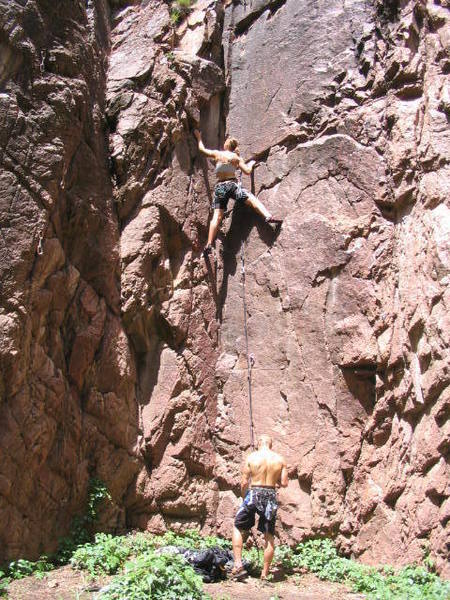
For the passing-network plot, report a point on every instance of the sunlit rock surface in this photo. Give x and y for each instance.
(123, 354)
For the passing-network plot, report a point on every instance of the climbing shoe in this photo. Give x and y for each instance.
(207, 250)
(273, 220)
(238, 573)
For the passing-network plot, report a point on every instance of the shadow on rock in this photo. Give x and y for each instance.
(242, 221)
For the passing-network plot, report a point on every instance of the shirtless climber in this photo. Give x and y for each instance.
(227, 161)
(266, 470)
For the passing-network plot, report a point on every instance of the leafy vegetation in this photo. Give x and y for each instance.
(194, 540)
(80, 533)
(142, 572)
(180, 9)
(82, 526)
(321, 557)
(148, 574)
(17, 569)
(108, 554)
(255, 557)
(4, 580)
(156, 576)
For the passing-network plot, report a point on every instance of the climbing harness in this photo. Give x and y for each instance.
(250, 357)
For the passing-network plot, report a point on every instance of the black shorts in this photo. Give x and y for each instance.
(225, 190)
(259, 501)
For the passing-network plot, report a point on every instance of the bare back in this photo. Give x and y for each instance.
(225, 156)
(265, 467)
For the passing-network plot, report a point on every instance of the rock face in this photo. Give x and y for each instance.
(123, 355)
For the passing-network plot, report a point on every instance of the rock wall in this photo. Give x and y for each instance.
(123, 354)
(64, 354)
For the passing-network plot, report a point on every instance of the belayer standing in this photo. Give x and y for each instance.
(263, 471)
(228, 161)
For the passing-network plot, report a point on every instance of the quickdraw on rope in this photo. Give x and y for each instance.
(40, 249)
(41, 237)
(250, 357)
(239, 186)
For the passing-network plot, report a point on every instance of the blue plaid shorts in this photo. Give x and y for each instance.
(259, 501)
(225, 190)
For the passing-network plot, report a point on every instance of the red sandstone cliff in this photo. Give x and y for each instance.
(122, 356)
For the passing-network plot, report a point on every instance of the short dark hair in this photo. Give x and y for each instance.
(264, 440)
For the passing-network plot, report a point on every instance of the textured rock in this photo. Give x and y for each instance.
(59, 267)
(123, 356)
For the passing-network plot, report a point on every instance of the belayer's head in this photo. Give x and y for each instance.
(264, 441)
(231, 144)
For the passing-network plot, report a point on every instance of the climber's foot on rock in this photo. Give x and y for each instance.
(207, 250)
(273, 220)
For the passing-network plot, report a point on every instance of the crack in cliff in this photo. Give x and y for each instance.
(35, 189)
(246, 22)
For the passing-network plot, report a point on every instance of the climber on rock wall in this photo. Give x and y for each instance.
(228, 161)
(263, 471)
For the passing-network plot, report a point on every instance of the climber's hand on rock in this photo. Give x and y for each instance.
(251, 164)
(197, 134)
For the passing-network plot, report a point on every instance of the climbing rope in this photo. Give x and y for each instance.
(250, 357)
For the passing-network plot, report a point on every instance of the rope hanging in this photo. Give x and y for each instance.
(250, 357)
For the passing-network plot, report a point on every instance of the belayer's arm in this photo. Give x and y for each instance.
(245, 479)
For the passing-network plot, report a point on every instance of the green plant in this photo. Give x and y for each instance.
(285, 557)
(81, 530)
(141, 542)
(427, 560)
(254, 557)
(17, 569)
(192, 539)
(180, 9)
(80, 533)
(175, 16)
(4, 580)
(160, 577)
(412, 582)
(212, 541)
(107, 554)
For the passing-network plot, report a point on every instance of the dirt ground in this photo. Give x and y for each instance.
(66, 584)
(305, 587)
